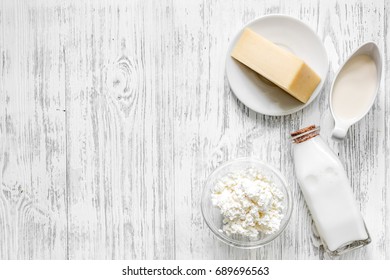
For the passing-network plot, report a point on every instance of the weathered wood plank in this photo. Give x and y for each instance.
(120, 136)
(33, 222)
(386, 130)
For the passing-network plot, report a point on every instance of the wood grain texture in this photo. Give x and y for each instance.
(32, 126)
(113, 113)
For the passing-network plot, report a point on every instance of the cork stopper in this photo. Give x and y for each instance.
(305, 134)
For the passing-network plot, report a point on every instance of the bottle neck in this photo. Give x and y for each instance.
(305, 134)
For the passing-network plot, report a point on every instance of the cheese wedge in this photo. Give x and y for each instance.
(278, 65)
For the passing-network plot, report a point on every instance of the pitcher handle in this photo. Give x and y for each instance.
(340, 131)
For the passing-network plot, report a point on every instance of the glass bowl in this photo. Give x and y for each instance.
(214, 218)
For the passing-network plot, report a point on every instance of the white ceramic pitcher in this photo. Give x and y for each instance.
(341, 125)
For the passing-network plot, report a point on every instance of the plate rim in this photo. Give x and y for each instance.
(321, 85)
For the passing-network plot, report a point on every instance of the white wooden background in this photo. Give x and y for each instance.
(113, 113)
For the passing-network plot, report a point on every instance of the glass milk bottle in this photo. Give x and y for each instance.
(328, 194)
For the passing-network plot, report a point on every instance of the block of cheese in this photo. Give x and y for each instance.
(278, 65)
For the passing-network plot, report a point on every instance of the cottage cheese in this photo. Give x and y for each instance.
(249, 203)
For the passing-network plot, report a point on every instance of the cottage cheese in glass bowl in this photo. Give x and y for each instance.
(246, 203)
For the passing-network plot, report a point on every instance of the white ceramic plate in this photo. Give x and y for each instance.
(259, 94)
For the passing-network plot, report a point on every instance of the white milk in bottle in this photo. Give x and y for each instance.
(328, 194)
